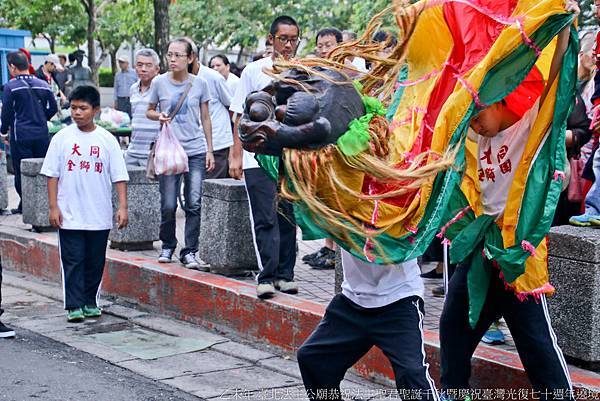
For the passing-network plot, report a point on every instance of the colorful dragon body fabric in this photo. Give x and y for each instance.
(384, 188)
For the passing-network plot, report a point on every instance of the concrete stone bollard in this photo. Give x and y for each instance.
(3, 182)
(574, 257)
(34, 188)
(143, 198)
(225, 232)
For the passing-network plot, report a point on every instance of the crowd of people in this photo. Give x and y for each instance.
(202, 105)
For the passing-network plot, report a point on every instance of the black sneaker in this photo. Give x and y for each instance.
(6, 332)
(432, 274)
(315, 255)
(326, 262)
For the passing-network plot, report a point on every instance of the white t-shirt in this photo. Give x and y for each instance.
(360, 64)
(372, 286)
(253, 79)
(498, 160)
(218, 106)
(86, 164)
(232, 82)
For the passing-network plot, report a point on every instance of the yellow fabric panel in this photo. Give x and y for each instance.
(428, 49)
(470, 182)
(536, 272)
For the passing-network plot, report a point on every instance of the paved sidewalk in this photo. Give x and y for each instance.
(199, 362)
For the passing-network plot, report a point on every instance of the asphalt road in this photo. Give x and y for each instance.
(33, 367)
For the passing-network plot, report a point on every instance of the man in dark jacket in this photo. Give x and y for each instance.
(27, 105)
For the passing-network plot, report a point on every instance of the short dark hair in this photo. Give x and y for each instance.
(86, 93)
(330, 32)
(223, 58)
(62, 56)
(282, 20)
(383, 36)
(19, 60)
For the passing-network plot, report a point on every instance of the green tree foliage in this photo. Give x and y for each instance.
(124, 21)
(229, 23)
(62, 20)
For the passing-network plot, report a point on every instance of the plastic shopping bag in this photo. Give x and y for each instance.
(115, 117)
(169, 156)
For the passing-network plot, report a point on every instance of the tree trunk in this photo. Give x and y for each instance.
(161, 30)
(51, 42)
(239, 56)
(91, 28)
(113, 61)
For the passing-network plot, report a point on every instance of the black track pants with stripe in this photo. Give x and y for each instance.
(348, 331)
(528, 322)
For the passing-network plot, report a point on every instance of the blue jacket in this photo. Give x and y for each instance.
(25, 113)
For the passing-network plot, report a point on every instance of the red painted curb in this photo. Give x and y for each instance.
(227, 304)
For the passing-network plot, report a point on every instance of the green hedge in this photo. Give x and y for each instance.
(105, 77)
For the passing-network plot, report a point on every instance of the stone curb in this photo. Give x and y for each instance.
(231, 306)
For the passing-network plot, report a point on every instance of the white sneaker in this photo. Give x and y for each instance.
(289, 287)
(166, 255)
(265, 290)
(189, 261)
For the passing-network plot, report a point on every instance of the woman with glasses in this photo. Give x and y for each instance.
(191, 125)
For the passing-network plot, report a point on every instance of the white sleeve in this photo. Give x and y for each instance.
(242, 90)
(118, 168)
(223, 91)
(53, 159)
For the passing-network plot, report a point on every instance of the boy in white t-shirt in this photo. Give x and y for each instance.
(82, 163)
(501, 131)
(379, 306)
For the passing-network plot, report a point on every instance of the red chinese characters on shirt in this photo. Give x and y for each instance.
(75, 150)
(95, 151)
(487, 156)
(489, 173)
(85, 164)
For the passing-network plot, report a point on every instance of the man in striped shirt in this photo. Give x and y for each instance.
(144, 130)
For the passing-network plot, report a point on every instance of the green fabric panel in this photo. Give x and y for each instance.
(270, 164)
(542, 191)
(478, 282)
(393, 107)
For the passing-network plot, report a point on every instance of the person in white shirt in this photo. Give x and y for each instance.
(82, 163)
(380, 305)
(218, 107)
(357, 62)
(220, 63)
(272, 221)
